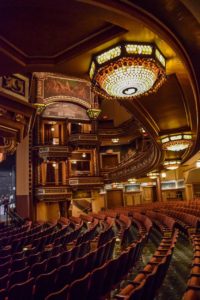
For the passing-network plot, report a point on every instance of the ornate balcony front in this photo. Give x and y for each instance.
(61, 152)
(52, 194)
(84, 139)
(136, 165)
(91, 181)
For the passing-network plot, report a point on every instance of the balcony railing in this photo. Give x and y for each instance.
(86, 181)
(84, 138)
(52, 193)
(137, 164)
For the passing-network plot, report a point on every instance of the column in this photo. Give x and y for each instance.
(158, 189)
(23, 205)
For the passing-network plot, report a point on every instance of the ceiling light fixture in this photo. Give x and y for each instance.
(153, 174)
(198, 163)
(128, 70)
(115, 141)
(132, 180)
(163, 175)
(172, 164)
(177, 142)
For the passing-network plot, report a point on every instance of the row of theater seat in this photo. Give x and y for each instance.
(52, 275)
(186, 222)
(146, 284)
(164, 223)
(15, 279)
(98, 284)
(193, 284)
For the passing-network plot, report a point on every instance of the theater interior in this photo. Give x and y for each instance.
(99, 150)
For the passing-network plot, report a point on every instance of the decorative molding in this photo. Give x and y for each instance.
(15, 85)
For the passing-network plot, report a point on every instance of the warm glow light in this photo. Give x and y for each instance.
(2, 156)
(153, 175)
(177, 142)
(163, 175)
(84, 155)
(198, 163)
(132, 180)
(172, 164)
(108, 55)
(54, 164)
(52, 129)
(141, 70)
(115, 141)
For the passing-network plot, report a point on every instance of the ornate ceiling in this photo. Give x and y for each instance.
(62, 36)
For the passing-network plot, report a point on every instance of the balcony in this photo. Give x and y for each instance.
(136, 165)
(52, 194)
(83, 139)
(86, 181)
(61, 152)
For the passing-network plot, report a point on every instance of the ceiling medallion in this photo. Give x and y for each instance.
(172, 164)
(127, 70)
(176, 142)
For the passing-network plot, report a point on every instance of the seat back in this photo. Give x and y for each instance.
(44, 285)
(21, 290)
(79, 288)
(60, 295)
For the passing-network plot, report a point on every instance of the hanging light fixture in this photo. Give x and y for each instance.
(93, 113)
(176, 142)
(163, 175)
(198, 163)
(127, 70)
(132, 180)
(115, 140)
(153, 174)
(172, 164)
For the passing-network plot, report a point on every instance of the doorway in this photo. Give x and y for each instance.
(115, 198)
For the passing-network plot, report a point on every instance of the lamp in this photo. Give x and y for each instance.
(177, 142)
(163, 175)
(93, 113)
(172, 164)
(115, 140)
(127, 70)
(198, 163)
(132, 180)
(153, 174)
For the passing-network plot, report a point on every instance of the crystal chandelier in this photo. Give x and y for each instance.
(176, 142)
(128, 70)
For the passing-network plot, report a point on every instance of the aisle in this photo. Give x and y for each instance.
(175, 281)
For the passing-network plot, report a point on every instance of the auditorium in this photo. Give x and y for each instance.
(100, 150)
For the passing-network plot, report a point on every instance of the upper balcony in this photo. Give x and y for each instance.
(84, 139)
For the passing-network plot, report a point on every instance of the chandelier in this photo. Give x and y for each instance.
(153, 174)
(172, 164)
(127, 70)
(176, 142)
(115, 140)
